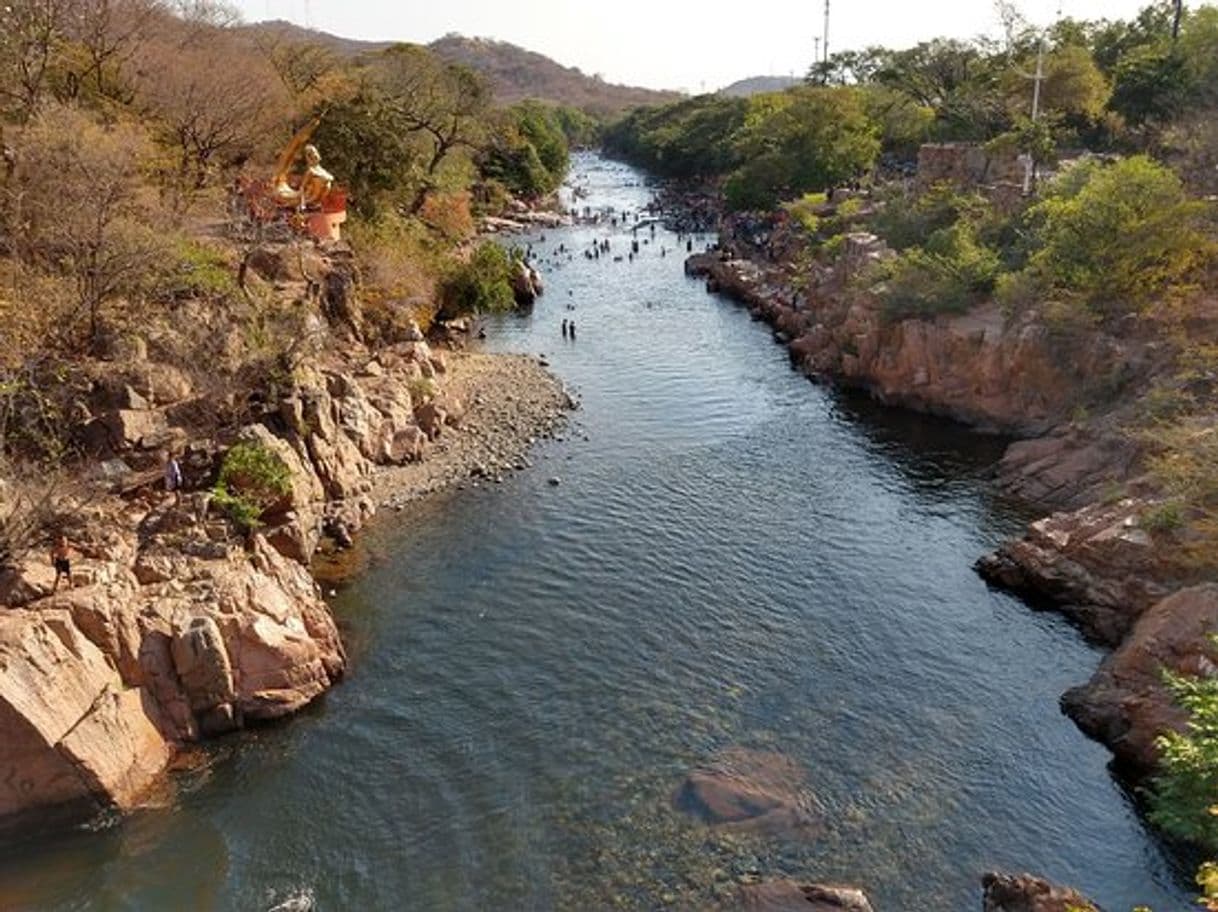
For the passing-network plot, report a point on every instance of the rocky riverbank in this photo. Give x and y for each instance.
(1100, 560)
(180, 625)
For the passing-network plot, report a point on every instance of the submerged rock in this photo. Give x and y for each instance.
(789, 896)
(749, 790)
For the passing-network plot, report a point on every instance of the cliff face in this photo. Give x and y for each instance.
(977, 368)
(179, 627)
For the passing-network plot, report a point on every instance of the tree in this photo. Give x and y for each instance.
(528, 150)
(1118, 236)
(441, 103)
(1153, 86)
(73, 206)
(798, 141)
(955, 80)
(215, 102)
(110, 33)
(30, 32)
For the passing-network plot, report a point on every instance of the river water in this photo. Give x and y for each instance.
(734, 557)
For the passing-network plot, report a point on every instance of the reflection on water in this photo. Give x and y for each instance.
(735, 557)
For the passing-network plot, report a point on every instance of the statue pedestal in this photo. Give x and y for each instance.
(326, 226)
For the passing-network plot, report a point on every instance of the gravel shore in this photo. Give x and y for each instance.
(511, 402)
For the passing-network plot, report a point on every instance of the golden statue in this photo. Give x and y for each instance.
(312, 186)
(319, 206)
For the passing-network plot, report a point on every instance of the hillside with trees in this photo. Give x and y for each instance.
(134, 134)
(513, 73)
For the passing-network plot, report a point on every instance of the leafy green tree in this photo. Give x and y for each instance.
(528, 151)
(799, 141)
(365, 145)
(483, 284)
(956, 80)
(1153, 85)
(690, 138)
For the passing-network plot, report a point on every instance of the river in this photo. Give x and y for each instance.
(733, 557)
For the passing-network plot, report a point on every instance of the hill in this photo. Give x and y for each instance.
(514, 72)
(755, 85)
(517, 74)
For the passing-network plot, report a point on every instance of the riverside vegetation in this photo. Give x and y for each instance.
(1079, 317)
(148, 308)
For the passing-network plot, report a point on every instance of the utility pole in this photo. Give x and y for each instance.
(826, 42)
(1030, 165)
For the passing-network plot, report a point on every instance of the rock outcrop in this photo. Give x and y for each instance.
(978, 368)
(178, 627)
(1097, 565)
(1025, 893)
(71, 730)
(1126, 705)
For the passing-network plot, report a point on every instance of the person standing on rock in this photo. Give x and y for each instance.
(61, 560)
(173, 477)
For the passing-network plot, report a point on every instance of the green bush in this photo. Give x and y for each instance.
(907, 217)
(196, 270)
(252, 479)
(484, 284)
(949, 275)
(1117, 237)
(1164, 517)
(1185, 791)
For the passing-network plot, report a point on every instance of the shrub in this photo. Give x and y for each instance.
(1117, 236)
(1184, 792)
(421, 389)
(907, 218)
(481, 285)
(196, 270)
(1164, 517)
(948, 275)
(252, 479)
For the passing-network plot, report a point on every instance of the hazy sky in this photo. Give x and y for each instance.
(666, 43)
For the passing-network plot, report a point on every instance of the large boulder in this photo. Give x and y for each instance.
(1025, 893)
(1125, 704)
(137, 428)
(201, 660)
(70, 732)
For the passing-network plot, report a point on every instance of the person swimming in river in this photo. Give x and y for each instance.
(61, 560)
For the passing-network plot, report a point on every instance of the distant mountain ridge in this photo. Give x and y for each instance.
(755, 85)
(513, 72)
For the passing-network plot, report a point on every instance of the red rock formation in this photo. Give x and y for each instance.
(1025, 893)
(1125, 705)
